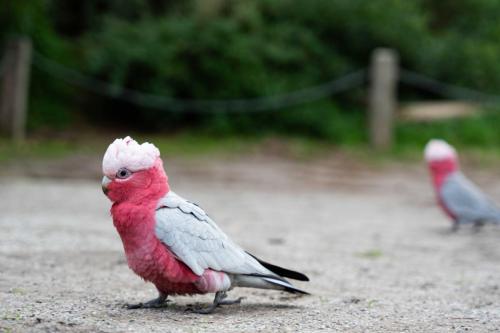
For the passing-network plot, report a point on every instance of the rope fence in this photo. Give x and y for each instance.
(247, 105)
(383, 77)
(446, 90)
(258, 104)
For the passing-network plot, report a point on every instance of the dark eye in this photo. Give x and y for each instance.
(123, 173)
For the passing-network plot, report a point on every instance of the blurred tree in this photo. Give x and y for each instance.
(209, 49)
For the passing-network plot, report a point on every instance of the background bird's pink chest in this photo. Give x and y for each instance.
(438, 182)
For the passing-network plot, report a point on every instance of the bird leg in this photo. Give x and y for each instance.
(159, 302)
(218, 300)
(478, 225)
(230, 301)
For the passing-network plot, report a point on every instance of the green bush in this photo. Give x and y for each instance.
(222, 49)
(244, 50)
(481, 130)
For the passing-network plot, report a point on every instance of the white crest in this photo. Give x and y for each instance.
(437, 149)
(127, 153)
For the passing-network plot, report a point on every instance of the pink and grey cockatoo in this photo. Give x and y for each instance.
(172, 242)
(460, 199)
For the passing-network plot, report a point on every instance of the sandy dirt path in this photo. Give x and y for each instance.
(379, 254)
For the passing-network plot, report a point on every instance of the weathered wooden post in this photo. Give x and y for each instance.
(14, 90)
(383, 97)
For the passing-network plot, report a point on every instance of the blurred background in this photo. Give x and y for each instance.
(297, 125)
(294, 70)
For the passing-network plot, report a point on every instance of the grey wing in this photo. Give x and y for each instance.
(467, 202)
(197, 241)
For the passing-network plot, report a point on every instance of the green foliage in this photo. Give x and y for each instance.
(481, 130)
(465, 50)
(222, 49)
(48, 97)
(223, 58)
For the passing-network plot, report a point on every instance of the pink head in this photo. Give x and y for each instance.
(441, 157)
(133, 172)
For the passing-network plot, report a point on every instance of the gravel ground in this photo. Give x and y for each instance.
(380, 255)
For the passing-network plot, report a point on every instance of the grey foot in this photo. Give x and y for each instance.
(159, 302)
(477, 226)
(231, 301)
(218, 300)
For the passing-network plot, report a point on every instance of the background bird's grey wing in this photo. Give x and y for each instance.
(466, 201)
(197, 241)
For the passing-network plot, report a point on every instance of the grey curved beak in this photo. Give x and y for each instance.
(105, 183)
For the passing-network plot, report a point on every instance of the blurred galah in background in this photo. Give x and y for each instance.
(460, 199)
(172, 242)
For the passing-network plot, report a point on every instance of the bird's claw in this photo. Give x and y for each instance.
(153, 304)
(219, 300)
(232, 301)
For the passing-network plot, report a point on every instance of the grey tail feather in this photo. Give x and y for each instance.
(286, 285)
(266, 282)
(281, 271)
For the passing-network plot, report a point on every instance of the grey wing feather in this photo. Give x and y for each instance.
(466, 201)
(196, 240)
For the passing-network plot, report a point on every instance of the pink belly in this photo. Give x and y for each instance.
(155, 263)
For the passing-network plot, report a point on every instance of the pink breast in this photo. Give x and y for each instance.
(155, 263)
(147, 256)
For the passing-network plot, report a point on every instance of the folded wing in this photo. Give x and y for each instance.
(467, 202)
(197, 241)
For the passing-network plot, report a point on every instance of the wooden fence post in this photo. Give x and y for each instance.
(383, 97)
(14, 90)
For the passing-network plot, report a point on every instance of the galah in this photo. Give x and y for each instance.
(171, 241)
(460, 199)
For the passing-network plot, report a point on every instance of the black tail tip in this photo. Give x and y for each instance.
(296, 291)
(283, 272)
